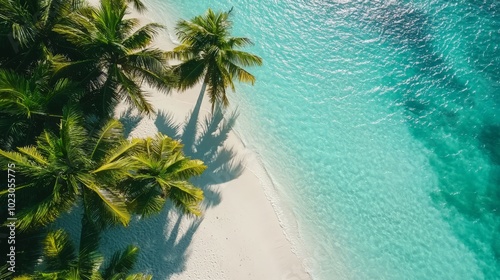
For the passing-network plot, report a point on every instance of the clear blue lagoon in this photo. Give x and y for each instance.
(379, 124)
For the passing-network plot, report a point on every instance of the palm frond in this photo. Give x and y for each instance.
(122, 262)
(110, 133)
(125, 148)
(145, 200)
(21, 161)
(73, 138)
(20, 21)
(139, 276)
(240, 73)
(133, 93)
(33, 154)
(143, 36)
(78, 31)
(58, 250)
(186, 168)
(115, 204)
(190, 73)
(43, 213)
(149, 65)
(208, 52)
(218, 79)
(138, 5)
(116, 47)
(16, 94)
(182, 52)
(24, 277)
(239, 42)
(242, 58)
(186, 197)
(114, 161)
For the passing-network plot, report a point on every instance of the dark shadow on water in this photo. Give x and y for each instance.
(443, 112)
(468, 188)
(442, 104)
(483, 51)
(408, 32)
(490, 140)
(467, 195)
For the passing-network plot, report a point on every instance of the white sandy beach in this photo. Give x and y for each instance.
(239, 235)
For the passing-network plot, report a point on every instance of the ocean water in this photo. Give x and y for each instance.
(379, 124)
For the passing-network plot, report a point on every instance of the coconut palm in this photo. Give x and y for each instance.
(72, 167)
(114, 56)
(161, 172)
(208, 52)
(62, 261)
(27, 102)
(112, 177)
(28, 28)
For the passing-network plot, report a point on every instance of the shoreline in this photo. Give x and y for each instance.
(240, 236)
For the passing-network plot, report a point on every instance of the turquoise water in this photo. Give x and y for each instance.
(379, 124)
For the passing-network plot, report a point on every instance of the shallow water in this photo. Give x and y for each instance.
(379, 123)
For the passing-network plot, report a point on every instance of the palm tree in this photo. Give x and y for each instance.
(115, 56)
(162, 171)
(72, 167)
(110, 176)
(27, 102)
(63, 261)
(208, 52)
(28, 28)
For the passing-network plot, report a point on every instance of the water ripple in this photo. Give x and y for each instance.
(379, 123)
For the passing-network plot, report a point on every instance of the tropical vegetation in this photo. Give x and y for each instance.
(64, 66)
(64, 261)
(210, 54)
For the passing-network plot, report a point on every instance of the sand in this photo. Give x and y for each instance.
(239, 235)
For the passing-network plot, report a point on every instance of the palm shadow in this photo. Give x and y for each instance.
(163, 240)
(130, 121)
(206, 140)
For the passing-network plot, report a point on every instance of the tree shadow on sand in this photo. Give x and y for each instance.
(163, 241)
(206, 141)
(130, 121)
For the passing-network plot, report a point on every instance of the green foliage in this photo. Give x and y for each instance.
(115, 53)
(63, 261)
(64, 65)
(59, 167)
(27, 102)
(28, 251)
(28, 27)
(113, 177)
(161, 171)
(208, 52)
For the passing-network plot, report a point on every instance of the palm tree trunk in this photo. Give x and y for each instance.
(191, 128)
